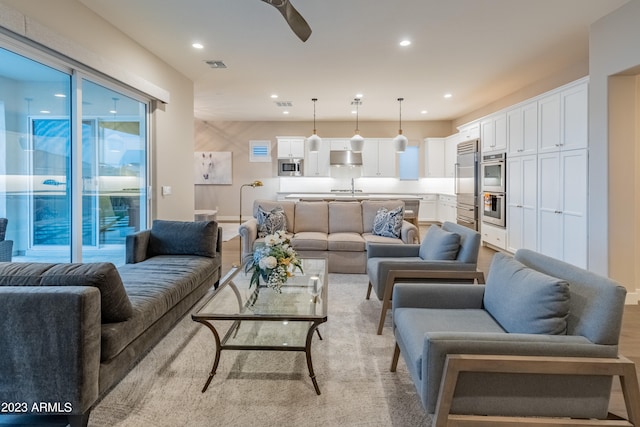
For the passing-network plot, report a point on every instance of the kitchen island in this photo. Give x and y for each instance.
(350, 196)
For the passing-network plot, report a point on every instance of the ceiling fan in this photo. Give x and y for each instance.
(293, 18)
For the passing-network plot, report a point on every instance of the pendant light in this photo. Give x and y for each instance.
(314, 140)
(357, 141)
(400, 142)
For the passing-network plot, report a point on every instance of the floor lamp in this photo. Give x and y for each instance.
(254, 184)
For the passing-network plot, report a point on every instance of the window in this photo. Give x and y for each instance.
(60, 209)
(259, 151)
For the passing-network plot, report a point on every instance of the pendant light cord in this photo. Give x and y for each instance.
(400, 124)
(314, 114)
(357, 109)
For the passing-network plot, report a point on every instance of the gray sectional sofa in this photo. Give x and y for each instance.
(337, 230)
(71, 331)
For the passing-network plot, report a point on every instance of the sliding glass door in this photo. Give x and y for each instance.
(61, 208)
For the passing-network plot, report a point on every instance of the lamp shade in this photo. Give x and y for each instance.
(400, 143)
(314, 142)
(357, 142)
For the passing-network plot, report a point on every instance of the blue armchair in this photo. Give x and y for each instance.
(6, 246)
(446, 254)
(540, 339)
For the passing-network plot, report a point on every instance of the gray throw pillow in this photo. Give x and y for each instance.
(388, 223)
(114, 301)
(183, 238)
(271, 221)
(439, 245)
(523, 300)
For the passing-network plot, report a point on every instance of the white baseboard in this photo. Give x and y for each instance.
(632, 297)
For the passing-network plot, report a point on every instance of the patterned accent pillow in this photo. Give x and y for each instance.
(271, 221)
(388, 223)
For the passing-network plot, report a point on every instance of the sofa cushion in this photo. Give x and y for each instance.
(524, 300)
(413, 323)
(309, 241)
(345, 217)
(438, 245)
(312, 216)
(372, 238)
(352, 242)
(271, 221)
(115, 304)
(183, 238)
(388, 223)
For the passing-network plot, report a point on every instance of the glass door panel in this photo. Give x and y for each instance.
(113, 171)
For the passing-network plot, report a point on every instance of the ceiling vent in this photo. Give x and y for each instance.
(214, 63)
(284, 104)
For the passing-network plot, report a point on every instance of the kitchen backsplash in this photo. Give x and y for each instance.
(367, 185)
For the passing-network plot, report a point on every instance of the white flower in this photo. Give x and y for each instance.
(268, 262)
(272, 240)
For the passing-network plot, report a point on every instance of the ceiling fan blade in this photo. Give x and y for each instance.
(293, 18)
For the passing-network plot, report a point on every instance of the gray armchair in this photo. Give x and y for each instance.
(446, 254)
(540, 339)
(6, 246)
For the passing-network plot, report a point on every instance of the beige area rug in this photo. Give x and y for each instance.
(267, 388)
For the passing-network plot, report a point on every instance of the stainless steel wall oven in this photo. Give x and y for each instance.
(493, 208)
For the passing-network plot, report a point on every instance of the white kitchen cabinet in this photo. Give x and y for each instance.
(469, 132)
(379, 158)
(450, 155)
(522, 193)
(428, 211)
(317, 163)
(495, 236)
(522, 130)
(434, 160)
(447, 208)
(493, 133)
(340, 144)
(290, 147)
(563, 119)
(562, 206)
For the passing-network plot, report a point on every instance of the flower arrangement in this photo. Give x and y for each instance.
(276, 261)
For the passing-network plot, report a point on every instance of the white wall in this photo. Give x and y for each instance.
(613, 50)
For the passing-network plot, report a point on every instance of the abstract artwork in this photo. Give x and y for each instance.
(212, 167)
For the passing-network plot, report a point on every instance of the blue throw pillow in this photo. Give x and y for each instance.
(388, 223)
(183, 238)
(439, 245)
(523, 300)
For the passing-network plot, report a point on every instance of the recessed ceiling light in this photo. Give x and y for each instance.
(405, 43)
(447, 95)
(423, 112)
(45, 112)
(113, 111)
(197, 45)
(359, 95)
(59, 95)
(274, 96)
(285, 112)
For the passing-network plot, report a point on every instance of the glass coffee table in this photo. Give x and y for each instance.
(244, 318)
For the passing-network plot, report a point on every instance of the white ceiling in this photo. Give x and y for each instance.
(478, 50)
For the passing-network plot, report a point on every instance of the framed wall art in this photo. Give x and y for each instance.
(212, 167)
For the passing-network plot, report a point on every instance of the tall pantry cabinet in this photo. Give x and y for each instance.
(547, 182)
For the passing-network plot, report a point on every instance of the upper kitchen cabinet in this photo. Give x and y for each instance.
(493, 133)
(317, 163)
(379, 158)
(563, 119)
(522, 130)
(290, 147)
(469, 132)
(451, 154)
(340, 144)
(434, 162)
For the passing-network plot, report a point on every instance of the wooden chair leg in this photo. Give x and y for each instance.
(369, 290)
(394, 360)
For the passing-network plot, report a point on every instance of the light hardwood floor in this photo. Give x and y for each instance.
(630, 336)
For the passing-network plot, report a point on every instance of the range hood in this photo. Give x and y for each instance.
(345, 158)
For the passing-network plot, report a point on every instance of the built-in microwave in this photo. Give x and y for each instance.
(290, 167)
(493, 173)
